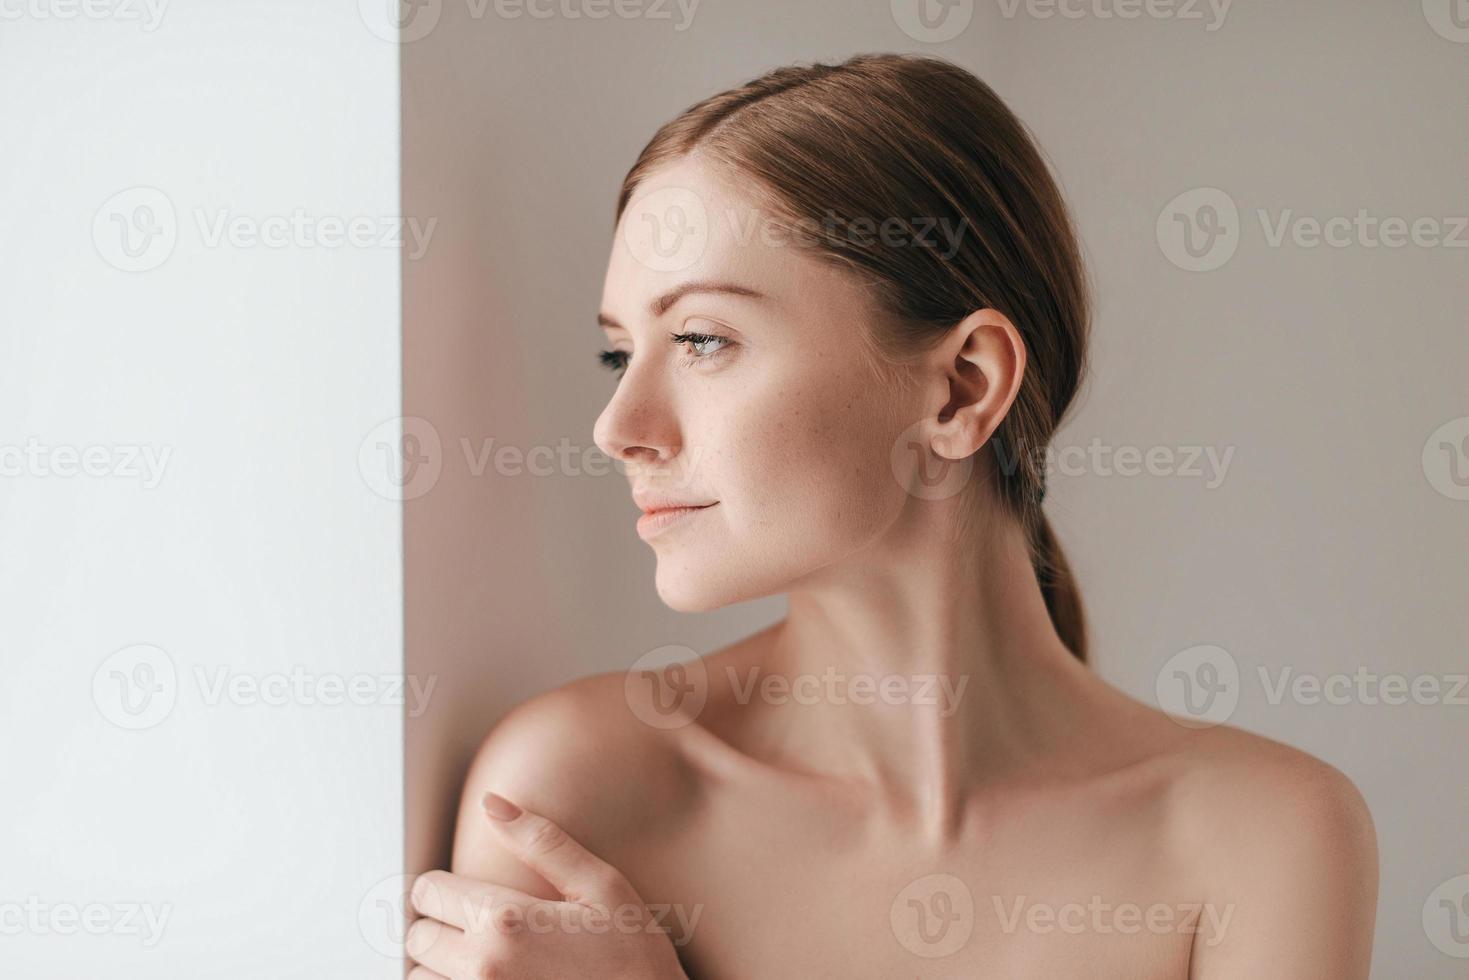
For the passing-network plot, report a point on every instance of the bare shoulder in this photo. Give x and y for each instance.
(580, 756)
(1281, 846)
(1238, 786)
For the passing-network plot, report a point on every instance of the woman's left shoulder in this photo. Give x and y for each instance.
(1279, 848)
(1247, 784)
(1280, 840)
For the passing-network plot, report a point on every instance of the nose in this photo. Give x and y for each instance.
(638, 424)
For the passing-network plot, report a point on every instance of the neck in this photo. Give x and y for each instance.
(966, 681)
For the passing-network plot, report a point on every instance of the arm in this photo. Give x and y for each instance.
(523, 895)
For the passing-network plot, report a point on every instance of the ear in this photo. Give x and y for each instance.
(978, 368)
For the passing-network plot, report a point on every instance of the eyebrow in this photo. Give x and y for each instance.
(664, 303)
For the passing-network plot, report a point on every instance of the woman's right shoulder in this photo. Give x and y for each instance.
(584, 734)
(579, 755)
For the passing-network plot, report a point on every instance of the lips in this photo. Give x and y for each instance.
(660, 518)
(652, 503)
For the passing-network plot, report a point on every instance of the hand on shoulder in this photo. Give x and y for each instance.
(578, 755)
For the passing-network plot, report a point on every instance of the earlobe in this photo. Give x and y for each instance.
(951, 440)
(942, 446)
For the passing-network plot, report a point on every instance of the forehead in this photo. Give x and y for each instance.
(687, 221)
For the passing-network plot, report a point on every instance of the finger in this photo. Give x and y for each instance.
(443, 949)
(424, 973)
(464, 903)
(548, 850)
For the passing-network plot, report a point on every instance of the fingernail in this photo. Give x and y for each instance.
(500, 808)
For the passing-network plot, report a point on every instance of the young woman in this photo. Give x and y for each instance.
(848, 311)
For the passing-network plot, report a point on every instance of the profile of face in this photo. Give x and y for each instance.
(772, 412)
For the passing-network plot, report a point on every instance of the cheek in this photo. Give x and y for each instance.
(808, 466)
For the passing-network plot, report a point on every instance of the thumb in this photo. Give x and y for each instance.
(548, 850)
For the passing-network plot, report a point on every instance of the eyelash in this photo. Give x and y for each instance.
(616, 360)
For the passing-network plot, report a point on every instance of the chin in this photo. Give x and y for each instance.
(689, 594)
(702, 582)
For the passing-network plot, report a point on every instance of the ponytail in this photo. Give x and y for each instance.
(1063, 598)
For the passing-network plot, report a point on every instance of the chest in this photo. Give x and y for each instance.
(768, 893)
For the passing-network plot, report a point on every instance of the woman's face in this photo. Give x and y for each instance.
(780, 423)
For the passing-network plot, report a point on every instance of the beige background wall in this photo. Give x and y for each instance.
(1319, 373)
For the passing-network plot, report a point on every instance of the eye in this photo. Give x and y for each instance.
(699, 344)
(613, 360)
